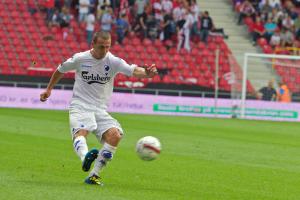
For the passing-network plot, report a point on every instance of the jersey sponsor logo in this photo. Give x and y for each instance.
(86, 66)
(94, 78)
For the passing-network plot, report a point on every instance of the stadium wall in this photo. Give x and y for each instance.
(150, 104)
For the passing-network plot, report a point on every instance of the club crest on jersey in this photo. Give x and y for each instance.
(106, 68)
(94, 78)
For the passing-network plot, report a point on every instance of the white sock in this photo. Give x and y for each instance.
(105, 155)
(80, 147)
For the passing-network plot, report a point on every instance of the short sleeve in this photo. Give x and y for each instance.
(68, 65)
(122, 66)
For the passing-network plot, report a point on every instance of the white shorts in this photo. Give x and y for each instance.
(96, 121)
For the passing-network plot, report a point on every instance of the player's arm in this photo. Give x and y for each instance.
(68, 65)
(56, 76)
(145, 72)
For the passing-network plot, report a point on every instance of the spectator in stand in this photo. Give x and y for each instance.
(157, 10)
(64, 17)
(291, 9)
(55, 19)
(168, 27)
(255, 4)
(246, 10)
(270, 28)
(92, 5)
(167, 6)
(122, 27)
(266, 10)
(267, 93)
(283, 93)
(152, 29)
(102, 7)
(139, 7)
(297, 27)
(178, 12)
(90, 26)
(195, 12)
(140, 27)
(206, 26)
(180, 34)
(107, 20)
(296, 3)
(277, 16)
(187, 26)
(272, 3)
(32, 7)
(286, 37)
(83, 10)
(49, 5)
(275, 39)
(125, 8)
(258, 30)
(68, 3)
(288, 22)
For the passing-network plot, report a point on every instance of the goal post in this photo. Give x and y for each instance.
(260, 69)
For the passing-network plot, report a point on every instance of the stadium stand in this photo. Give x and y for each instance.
(31, 47)
(279, 23)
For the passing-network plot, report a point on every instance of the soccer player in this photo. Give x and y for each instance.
(95, 71)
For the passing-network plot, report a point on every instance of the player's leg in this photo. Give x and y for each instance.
(81, 148)
(79, 143)
(109, 133)
(81, 123)
(111, 139)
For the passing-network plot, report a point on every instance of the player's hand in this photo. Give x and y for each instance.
(44, 96)
(151, 70)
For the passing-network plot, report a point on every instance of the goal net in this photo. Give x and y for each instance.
(267, 87)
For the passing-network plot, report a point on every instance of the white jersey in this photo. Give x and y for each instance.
(94, 78)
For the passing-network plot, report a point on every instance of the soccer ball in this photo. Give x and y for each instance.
(148, 148)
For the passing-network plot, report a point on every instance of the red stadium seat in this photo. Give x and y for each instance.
(156, 79)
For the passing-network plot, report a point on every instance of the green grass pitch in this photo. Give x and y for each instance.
(209, 159)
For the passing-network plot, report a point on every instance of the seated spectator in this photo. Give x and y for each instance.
(246, 10)
(286, 37)
(267, 93)
(271, 3)
(266, 9)
(277, 15)
(255, 4)
(275, 39)
(297, 27)
(258, 30)
(288, 22)
(270, 28)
